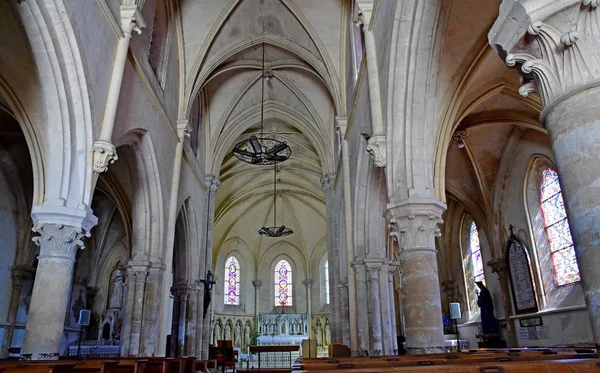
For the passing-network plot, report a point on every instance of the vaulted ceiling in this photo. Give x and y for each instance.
(301, 41)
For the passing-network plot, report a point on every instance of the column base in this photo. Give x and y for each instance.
(39, 356)
(425, 350)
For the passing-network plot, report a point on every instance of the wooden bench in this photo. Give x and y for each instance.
(37, 367)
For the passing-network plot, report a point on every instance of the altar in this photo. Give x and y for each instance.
(282, 329)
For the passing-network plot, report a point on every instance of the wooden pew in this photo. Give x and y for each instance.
(37, 367)
(557, 366)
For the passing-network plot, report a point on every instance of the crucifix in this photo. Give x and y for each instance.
(208, 284)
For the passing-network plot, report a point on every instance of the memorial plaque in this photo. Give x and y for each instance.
(520, 277)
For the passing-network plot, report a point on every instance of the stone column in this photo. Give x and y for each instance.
(362, 309)
(377, 142)
(192, 317)
(394, 328)
(105, 152)
(308, 283)
(183, 297)
(257, 284)
(51, 290)
(199, 319)
(500, 268)
(344, 320)
(559, 48)
(415, 224)
(19, 275)
(334, 312)
(137, 276)
(375, 303)
(212, 185)
(386, 303)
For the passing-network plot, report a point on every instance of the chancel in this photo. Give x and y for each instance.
(216, 179)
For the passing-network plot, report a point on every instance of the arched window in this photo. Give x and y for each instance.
(326, 282)
(232, 281)
(283, 284)
(475, 252)
(556, 224)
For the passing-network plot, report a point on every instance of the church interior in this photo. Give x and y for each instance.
(384, 177)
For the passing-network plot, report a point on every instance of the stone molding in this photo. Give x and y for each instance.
(327, 181)
(376, 147)
(212, 183)
(460, 136)
(556, 44)
(59, 241)
(415, 223)
(308, 283)
(257, 283)
(131, 16)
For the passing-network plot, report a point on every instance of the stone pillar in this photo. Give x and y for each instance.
(137, 276)
(377, 142)
(386, 303)
(192, 317)
(199, 319)
(257, 284)
(334, 312)
(559, 48)
(375, 303)
(183, 297)
(51, 290)
(212, 185)
(415, 224)
(308, 283)
(19, 275)
(394, 328)
(500, 268)
(344, 320)
(362, 309)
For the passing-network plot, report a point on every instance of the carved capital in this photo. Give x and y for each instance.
(460, 136)
(376, 147)
(308, 283)
(257, 283)
(556, 43)
(211, 183)
(498, 266)
(131, 17)
(327, 182)
(183, 129)
(59, 241)
(104, 153)
(414, 223)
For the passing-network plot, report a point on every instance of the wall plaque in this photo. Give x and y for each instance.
(521, 280)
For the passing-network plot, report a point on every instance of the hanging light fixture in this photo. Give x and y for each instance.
(275, 231)
(257, 149)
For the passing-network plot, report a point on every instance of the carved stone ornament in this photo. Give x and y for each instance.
(257, 283)
(104, 153)
(327, 182)
(131, 17)
(59, 241)
(460, 136)
(555, 43)
(377, 149)
(212, 183)
(183, 129)
(415, 226)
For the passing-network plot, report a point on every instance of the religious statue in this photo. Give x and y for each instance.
(489, 324)
(319, 333)
(237, 335)
(327, 333)
(217, 332)
(247, 333)
(227, 331)
(208, 284)
(118, 289)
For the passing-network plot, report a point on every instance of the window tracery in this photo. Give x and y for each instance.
(232, 281)
(283, 283)
(556, 225)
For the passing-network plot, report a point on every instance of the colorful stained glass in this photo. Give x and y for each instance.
(232, 281)
(283, 284)
(475, 250)
(326, 282)
(557, 228)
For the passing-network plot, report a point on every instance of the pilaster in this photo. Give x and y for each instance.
(500, 267)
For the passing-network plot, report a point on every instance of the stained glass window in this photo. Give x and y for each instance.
(232, 281)
(326, 282)
(558, 232)
(475, 251)
(283, 284)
